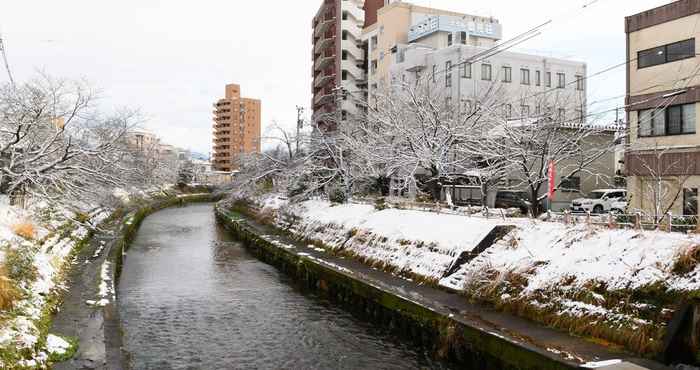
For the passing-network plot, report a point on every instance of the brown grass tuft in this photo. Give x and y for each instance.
(8, 291)
(25, 230)
(687, 260)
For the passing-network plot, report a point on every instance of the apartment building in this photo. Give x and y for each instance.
(236, 129)
(338, 61)
(521, 85)
(389, 24)
(663, 90)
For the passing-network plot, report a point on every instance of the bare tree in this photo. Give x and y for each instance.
(53, 143)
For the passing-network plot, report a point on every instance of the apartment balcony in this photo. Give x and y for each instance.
(351, 47)
(355, 11)
(353, 70)
(323, 79)
(322, 98)
(323, 61)
(323, 27)
(322, 44)
(352, 27)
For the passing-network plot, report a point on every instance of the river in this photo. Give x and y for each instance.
(190, 297)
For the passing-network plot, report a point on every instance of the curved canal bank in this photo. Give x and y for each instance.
(474, 336)
(190, 296)
(96, 326)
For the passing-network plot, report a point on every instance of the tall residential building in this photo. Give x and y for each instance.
(389, 24)
(663, 91)
(338, 59)
(236, 129)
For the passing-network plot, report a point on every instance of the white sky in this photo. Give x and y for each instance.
(172, 58)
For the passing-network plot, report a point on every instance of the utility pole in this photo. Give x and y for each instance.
(300, 124)
(4, 58)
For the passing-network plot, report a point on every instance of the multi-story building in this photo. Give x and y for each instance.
(663, 91)
(338, 59)
(236, 129)
(389, 24)
(520, 85)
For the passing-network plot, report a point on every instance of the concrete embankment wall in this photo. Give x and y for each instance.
(450, 339)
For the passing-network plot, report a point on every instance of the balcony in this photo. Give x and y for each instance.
(323, 27)
(323, 61)
(322, 44)
(323, 79)
(322, 98)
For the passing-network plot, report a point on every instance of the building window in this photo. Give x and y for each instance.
(570, 184)
(538, 78)
(666, 54)
(486, 72)
(674, 120)
(525, 76)
(690, 202)
(548, 79)
(579, 83)
(466, 70)
(344, 55)
(344, 35)
(508, 111)
(561, 80)
(466, 105)
(449, 39)
(448, 73)
(372, 43)
(463, 38)
(525, 111)
(434, 72)
(344, 75)
(507, 74)
(561, 115)
(373, 66)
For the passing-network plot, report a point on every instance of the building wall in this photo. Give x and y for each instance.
(237, 128)
(467, 92)
(390, 30)
(671, 160)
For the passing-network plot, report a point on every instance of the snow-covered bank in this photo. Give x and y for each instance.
(619, 285)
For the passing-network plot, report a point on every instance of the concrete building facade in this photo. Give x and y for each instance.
(236, 129)
(390, 24)
(662, 160)
(521, 85)
(338, 58)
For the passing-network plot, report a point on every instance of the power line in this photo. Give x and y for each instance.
(4, 58)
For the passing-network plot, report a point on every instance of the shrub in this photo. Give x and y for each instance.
(25, 230)
(380, 204)
(8, 292)
(687, 260)
(337, 195)
(19, 263)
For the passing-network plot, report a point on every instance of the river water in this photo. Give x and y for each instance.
(190, 297)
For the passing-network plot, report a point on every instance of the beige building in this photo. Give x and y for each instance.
(236, 129)
(663, 90)
(389, 24)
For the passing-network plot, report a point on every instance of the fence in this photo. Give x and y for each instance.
(637, 221)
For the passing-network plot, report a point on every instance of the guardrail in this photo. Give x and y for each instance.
(637, 221)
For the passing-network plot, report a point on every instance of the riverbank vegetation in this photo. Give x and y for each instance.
(620, 288)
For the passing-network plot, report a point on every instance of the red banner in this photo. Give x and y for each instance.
(552, 178)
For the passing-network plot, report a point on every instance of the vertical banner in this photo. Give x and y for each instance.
(552, 178)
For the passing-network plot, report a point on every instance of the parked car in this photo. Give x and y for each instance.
(601, 201)
(513, 199)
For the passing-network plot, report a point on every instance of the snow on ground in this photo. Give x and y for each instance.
(427, 244)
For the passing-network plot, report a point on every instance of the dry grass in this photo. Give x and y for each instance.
(687, 261)
(25, 229)
(8, 292)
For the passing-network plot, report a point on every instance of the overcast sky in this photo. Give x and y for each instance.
(172, 58)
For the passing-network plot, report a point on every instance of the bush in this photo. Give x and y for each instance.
(19, 263)
(337, 195)
(25, 230)
(687, 261)
(8, 292)
(380, 204)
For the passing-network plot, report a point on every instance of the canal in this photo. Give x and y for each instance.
(190, 297)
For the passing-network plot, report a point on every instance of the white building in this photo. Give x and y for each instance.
(523, 85)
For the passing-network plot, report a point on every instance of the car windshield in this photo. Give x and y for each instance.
(596, 195)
